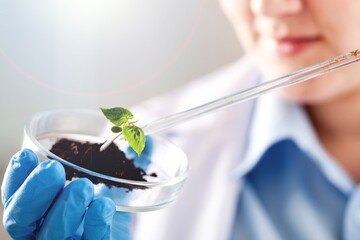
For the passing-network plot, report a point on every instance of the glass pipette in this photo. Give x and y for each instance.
(253, 92)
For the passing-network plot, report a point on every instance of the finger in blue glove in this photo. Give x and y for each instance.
(27, 206)
(98, 219)
(67, 213)
(18, 169)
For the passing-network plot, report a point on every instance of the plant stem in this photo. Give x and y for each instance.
(107, 143)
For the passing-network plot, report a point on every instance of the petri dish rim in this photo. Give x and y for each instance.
(28, 132)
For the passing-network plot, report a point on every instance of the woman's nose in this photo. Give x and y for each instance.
(276, 8)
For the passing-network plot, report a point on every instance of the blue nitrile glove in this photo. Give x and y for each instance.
(36, 204)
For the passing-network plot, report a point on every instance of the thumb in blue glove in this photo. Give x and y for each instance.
(28, 191)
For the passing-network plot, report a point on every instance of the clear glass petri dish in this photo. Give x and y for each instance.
(167, 160)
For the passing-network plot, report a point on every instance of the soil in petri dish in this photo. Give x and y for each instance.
(111, 162)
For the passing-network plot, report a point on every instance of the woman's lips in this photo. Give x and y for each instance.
(290, 46)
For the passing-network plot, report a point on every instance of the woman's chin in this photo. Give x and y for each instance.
(304, 93)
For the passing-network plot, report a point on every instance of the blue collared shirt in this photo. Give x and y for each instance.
(293, 189)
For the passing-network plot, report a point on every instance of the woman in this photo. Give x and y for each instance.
(281, 167)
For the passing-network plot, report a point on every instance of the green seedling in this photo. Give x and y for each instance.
(121, 118)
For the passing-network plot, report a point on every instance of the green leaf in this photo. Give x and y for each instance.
(117, 115)
(135, 137)
(116, 129)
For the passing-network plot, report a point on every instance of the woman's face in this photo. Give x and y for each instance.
(286, 35)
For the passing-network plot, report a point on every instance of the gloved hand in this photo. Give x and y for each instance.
(36, 204)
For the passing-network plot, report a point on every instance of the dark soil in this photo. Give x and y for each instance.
(111, 162)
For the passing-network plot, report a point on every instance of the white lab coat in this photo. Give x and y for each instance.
(214, 145)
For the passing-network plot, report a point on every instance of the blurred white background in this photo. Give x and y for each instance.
(91, 53)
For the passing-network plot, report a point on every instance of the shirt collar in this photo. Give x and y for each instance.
(275, 119)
